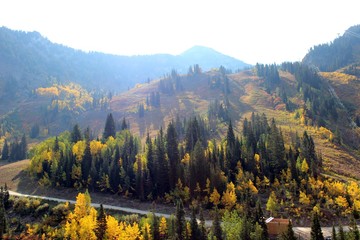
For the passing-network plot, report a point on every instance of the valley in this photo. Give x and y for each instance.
(217, 137)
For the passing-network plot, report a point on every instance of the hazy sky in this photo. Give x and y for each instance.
(264, 31)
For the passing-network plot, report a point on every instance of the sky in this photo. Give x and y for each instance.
(264, 31)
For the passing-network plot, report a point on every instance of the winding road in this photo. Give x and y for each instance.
(301, 232)
(208, 223)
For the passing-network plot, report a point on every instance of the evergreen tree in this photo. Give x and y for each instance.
(231, 158)
(3, 221)
(354, 231)
(289, 234)
(195, 231)
(86, 163)
(180, 223)
(260, 219)
(216, 226)
(202, 229)
(22, 148)
(56, 147)
(101, 224)
(316, 232)
(154, 226)
(341, 233)
(109, 129)
(124, 124)
(76, 134)
(199, 167)
(333, 233)
(5, 151)
(173, 154)
(162, 166)
(6, 197)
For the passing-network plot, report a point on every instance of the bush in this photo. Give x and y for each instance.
(25, 206)
(40, 210)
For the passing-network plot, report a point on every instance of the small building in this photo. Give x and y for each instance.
(276, 226)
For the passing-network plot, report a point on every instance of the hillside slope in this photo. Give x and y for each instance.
(202, 93)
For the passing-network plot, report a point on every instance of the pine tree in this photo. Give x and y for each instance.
(231, 158)
(195, 232)
(101, 224)
(124, 125)
(22, 148)
(333, 233)
(180, 223)
(109, 129)
(316, 232)
(56, 147)
(86, 163)
(6, 197)
(154, 226)
(341, 233)
(5, 151)
(173, 154)
(216, 227)
(162, 166)
(76, 134)
(202, 229)
(3, 222)
(289, 234)
(354, 231)
(260, 219)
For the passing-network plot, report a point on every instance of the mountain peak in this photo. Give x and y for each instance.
(203, 55)
(198, 49)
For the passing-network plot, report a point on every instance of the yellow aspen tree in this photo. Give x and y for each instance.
(252, 187)
(146, 230)
(132, 232)
(163, 228)
(229, 196)
(353, 190)
(88, 226)
(78, 149)
(215, 197)
(342, 202)
(112, 228)
(266, 182)
(188, 230)
(272, 204)
(81, 223)
(304, 166)
(303, 198)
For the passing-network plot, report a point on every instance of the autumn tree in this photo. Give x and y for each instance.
(81, 223)
(162, 228)
(272, 204)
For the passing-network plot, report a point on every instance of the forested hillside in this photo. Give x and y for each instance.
(343, 51)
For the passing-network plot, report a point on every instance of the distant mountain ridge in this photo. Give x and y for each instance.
(29, 58)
